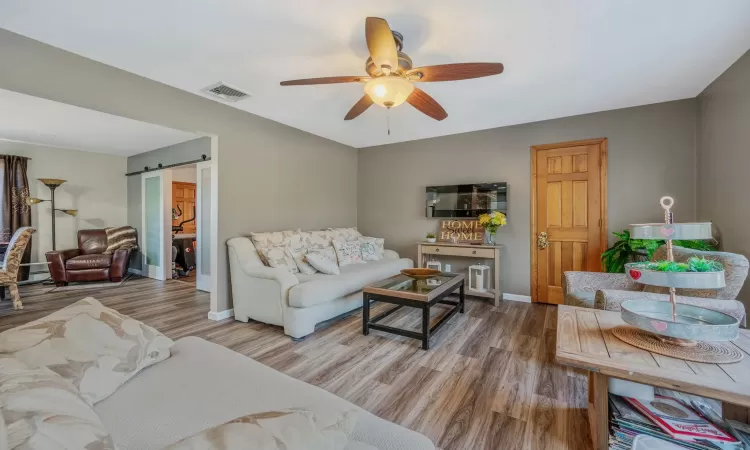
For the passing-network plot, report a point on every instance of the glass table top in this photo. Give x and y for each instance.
(402, 283)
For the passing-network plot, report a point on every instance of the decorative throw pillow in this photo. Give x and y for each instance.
(372, 248)
(348, 252)
(300, 258)
(316, 239)
(272, 238)
(41, 410)
(276, 430)
(94, 347)
(280, 256)
(324, 260)
(345, 234)
(266, 240)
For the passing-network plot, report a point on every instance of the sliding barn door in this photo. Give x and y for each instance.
(156, 239)
(203, 222)
(568, 213)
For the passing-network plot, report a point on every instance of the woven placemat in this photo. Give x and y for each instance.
(704, 352)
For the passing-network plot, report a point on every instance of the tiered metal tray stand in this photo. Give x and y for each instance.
(681, 331)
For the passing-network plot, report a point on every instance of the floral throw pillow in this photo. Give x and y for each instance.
(345, 234)
(41, 410)
(95, 348)
(372, 248)
(324, 260)
(348, 252)
(300, 259)
(276, 430)
(280, 256)
(316, 239)
(266, 240)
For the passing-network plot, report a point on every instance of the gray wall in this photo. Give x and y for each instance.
(271, 176)
(172, 154)
(724, 158)
(651, 154)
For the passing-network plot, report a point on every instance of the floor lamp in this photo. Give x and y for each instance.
(52, 184)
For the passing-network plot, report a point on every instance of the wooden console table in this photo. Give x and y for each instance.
(467, 251)
(585, 340)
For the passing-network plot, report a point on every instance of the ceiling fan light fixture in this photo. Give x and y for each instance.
(389, 91)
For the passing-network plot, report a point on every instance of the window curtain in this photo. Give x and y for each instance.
(14, 190)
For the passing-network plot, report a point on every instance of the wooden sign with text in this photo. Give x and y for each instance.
(466, 231)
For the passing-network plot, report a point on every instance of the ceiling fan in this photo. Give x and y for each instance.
(391, 80)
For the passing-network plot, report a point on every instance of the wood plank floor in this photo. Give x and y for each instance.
(489, 381)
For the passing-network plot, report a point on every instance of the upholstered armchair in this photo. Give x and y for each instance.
(608, 290)
(90, 261)
(12, 262)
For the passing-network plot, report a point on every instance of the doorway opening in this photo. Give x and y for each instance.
(180, 220)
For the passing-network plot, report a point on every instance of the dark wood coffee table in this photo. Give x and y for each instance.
(403, 291)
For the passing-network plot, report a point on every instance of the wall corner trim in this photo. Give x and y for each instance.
(221, 315)
(517, 298)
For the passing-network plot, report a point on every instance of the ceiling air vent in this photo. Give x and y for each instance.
(225, 92)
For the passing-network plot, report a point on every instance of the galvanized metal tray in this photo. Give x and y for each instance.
(671, 231)
(693, 322)
(685, 280)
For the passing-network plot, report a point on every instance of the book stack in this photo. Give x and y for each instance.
(664, 418)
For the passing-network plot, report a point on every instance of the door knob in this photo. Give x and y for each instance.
(541, 240)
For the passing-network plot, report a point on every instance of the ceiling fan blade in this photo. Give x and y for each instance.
(381, 44)
(451, 72)
(359, 107)
(324, 80)
(426, 104)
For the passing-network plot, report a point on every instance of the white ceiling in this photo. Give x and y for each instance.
(561, 57)
(39, 121)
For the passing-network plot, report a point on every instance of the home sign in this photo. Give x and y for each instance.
(463, 231)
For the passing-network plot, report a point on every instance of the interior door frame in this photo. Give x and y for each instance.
(602, 142)
(163, 272)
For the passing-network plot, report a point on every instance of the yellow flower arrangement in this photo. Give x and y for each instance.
(492, 221)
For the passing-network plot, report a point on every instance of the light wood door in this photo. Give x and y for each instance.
(568, 213)
(183, 199)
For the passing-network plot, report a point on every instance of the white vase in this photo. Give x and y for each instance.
(431, 240)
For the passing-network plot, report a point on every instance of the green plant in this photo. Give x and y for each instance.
(625, 250)
(666, 266)
(704, 265)
(694, 264)
(431, 236)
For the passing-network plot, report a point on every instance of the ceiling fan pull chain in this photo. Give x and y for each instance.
(388, 120)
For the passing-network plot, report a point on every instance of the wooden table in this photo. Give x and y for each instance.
(467, 251)
(585, 340)
(401, 291)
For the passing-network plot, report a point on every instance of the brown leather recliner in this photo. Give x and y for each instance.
(88, 262)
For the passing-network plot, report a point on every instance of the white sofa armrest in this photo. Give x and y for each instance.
(283, 277)
(390, 254)
(258, 292)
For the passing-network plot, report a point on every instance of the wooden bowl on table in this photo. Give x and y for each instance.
(421, 274)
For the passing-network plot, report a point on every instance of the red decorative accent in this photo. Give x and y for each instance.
(667, 232)
(635, 274)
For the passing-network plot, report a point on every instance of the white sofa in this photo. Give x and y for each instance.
(203, 385)
(297, 301)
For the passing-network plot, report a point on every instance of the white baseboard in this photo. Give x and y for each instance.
(517, 298)
(221, 315)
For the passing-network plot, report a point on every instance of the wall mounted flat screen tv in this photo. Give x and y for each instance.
(466, 200)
